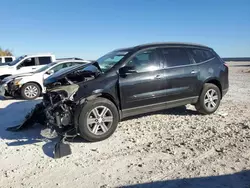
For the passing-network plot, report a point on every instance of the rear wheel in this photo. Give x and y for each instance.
(30, 91)
(98, 119)
(209, 99)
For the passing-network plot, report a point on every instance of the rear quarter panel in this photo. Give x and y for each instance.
(213, 69)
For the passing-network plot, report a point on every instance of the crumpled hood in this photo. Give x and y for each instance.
(66, 71)
(69, 89)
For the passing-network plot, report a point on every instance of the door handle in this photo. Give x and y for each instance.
(158, 77)
(33, 68)
(193, 72)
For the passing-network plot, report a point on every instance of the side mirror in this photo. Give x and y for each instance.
(127, 70)
(50, 72)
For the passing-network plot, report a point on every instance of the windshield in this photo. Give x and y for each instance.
(107, 61)
(45, 67)
(16, 61)
(65, 70)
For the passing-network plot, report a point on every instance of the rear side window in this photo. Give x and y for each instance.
(8, 59)
(44, 60)
(175, 57)
(201, 55)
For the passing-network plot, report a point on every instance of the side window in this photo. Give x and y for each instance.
(8, 59)
(58, 67)
(201, 55)
(70, 64)
(44, 60)
(76, 63)
(145, 61)
(28, 62)
(1, 60)
(175, 57)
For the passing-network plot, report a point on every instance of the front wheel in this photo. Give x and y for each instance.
(209, 99)
(30, 91)
(98, 119)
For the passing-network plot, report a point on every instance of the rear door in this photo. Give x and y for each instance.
(181, 74)
(147, 85)
(42, 61)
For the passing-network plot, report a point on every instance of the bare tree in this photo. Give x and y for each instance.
(5, 52)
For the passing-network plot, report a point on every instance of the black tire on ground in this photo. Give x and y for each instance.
(200, 105)
(34, 85)
(85, 112)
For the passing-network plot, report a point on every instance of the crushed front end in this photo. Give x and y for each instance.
(60, 107)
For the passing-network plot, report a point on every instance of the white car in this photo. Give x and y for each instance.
(6, 59)
(30, 85)
(25, 63)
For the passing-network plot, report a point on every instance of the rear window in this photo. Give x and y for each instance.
(201, 55)
(44, 60)
(8, 59)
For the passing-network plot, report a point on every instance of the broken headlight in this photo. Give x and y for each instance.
(16, 81)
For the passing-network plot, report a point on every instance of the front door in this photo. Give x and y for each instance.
(146, 86)
(27, 65)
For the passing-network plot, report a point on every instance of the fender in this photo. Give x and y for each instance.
(215, 81)
(96, 93)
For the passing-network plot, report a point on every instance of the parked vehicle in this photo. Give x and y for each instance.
(30, 85)
(24, 64)
(6, 59)
(89, 100)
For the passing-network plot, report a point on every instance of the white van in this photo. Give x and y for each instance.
(24, 64)
(6, 59)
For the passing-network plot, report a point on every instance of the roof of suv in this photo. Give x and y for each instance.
(142, 46)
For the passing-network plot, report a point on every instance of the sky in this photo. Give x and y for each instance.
(91, 28)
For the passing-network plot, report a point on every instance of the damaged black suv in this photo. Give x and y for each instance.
(91, 99)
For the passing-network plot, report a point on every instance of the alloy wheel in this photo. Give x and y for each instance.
(100, 120)
(211, 99)
(31, 91)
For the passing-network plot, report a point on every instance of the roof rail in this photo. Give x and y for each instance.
(69, 58)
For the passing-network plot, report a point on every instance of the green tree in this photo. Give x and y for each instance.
(5, 52)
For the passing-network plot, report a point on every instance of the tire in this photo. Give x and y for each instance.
(204, 104)
(32, 87)
(95, 131)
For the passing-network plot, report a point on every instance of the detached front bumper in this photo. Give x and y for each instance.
(12, 89)
(3, 89)
(8, 88)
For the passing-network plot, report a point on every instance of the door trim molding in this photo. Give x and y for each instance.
(157, 106)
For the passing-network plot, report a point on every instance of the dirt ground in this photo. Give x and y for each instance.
(172, 148)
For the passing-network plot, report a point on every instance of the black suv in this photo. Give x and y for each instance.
(91, 99)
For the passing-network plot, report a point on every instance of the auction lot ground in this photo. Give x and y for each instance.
(171, 148)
